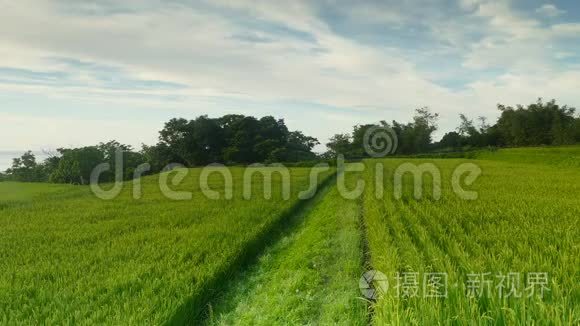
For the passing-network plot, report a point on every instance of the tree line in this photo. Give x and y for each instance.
(239, 139)
(537, 124)
(540, 123)
(231, 139)
(413, 137)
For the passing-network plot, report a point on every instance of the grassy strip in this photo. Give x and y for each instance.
(310, 276)
(198, 307)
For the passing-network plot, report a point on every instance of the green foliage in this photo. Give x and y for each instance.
(537, 124)
(451, 140)
(298, 148)
(159, 156)
(76, 164)
(231, 139)
(413, 137)
(25, 169)
(416, 136)
(339, 144)
(577, 130)
(195, 142)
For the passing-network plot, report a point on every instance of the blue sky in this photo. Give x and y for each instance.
(75, 73)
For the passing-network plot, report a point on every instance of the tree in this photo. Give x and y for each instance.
(451, 140)
(50, 164)
(472, 136)
(232, 138)
(416, 137)
(130, 159)
(413, 137)
(339, 144)
(466, 127)
(272, 138)
(483, 125)
(195, 142)
(158, 156)
(358, 140)
(537, 124)
(300, 142)
(76, 164)
(25, 169)
(298, 148)
(203, 140)
(425, 123)
(577, 130)
(174, 135)
(243, 136)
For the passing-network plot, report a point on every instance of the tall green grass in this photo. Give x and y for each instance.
(525, 220)
(80, 259)
(563, 156)
(19, 191)
(67, 257)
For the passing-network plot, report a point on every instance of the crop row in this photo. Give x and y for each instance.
(81, 259)
(524, 222)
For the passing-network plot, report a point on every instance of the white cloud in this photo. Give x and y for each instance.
(567, 29)
(550, 10)
(564, 55)
(46, 133)
(302, 59)
(204, 56)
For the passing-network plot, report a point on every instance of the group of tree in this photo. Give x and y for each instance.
(231, 139)
(537, 124)
(73, 165)
(411, 138)
(540, 123)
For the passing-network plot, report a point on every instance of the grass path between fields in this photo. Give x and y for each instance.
(309, 276)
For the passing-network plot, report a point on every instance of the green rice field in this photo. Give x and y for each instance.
(68, 257)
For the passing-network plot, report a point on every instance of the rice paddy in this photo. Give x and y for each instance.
(510, 256)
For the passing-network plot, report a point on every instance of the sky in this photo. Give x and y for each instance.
(76, 73)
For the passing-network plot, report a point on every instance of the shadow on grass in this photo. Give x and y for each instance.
(197, 308)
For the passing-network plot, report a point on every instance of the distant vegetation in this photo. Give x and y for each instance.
(534, 125)
(238, 139)
(231, 139)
